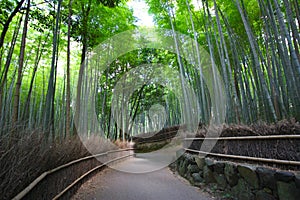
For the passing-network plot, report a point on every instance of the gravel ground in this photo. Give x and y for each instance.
(112, 184)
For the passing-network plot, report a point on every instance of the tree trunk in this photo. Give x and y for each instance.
(68, 98)
(37, 60)
(15, 114)
(256, 62)
(48, 119)
(7, 63)
(86, 13)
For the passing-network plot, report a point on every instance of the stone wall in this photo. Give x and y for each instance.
(240, 181)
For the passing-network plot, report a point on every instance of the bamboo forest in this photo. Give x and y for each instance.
(75, 72)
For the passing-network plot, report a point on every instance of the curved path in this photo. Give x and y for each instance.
(112, 184)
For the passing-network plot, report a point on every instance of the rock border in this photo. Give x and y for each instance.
(239, 180)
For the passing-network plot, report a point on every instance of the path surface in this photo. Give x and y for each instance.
(112, 184)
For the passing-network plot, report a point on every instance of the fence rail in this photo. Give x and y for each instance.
(246, 158)
(43, 175)
(264, 137)
(86, 174)
(167, 137)
(268, 160)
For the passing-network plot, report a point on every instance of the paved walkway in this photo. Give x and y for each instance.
(112, 184)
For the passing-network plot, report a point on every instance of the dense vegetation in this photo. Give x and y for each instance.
(45, 46)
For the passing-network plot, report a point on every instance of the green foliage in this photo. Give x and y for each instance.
(6, 7)
(142, 98)
(99, 22)
(104, 19)
(253, 44)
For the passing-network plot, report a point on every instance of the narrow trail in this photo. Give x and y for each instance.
(111, 184)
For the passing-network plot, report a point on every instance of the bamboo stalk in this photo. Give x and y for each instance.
(269, 160)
